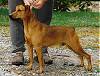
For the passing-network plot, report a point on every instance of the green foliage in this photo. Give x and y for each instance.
(76, 19)
(3, 2)
(61, 5)
(64, 5)
(4, 20)
(3, 11)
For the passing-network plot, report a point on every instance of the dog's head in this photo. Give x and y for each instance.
(20, 12)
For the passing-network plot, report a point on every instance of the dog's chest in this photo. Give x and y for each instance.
(27, 35)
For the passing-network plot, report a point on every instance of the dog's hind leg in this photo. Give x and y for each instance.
(80, 56)
(82, 60)
(75, 46)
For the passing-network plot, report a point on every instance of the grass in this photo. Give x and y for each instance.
(76, 19)
(4, 20)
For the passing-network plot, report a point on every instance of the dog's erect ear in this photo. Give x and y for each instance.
(27, 7)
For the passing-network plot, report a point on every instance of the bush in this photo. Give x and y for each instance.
(3, 11)
(62, 5)
(68, 5)
(3, 2)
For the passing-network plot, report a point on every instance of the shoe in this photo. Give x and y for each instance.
(18, 58)
(47, 60)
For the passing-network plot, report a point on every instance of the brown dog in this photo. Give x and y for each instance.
(39, 35)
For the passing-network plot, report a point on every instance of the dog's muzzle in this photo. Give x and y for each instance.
(10, 16)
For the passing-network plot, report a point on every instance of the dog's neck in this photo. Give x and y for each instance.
(30, 18)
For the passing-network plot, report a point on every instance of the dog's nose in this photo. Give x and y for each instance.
(10, 15)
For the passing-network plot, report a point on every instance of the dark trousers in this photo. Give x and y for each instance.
(44, 15)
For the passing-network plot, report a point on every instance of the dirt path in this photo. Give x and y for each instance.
(65, 65)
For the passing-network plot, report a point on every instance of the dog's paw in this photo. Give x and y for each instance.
(80, 65)
(89, 68)
(28, 66)
(40, 70)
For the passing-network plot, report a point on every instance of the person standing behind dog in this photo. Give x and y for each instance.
(44, 15)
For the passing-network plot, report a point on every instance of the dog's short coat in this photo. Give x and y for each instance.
(39, 35)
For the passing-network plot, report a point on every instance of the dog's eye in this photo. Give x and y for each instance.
(19, 10)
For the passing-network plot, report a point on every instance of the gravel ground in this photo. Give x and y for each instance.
(64, 61)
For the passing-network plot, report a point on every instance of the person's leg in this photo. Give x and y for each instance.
(44, 15)
(16, 31)
(16, 28)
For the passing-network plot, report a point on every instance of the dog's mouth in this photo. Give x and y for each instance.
(12, 17)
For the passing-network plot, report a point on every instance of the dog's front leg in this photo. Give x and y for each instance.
(40, 59)
(30, 52)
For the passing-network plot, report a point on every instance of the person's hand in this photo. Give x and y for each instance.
(35, 3)
(28, 2)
